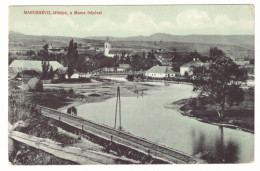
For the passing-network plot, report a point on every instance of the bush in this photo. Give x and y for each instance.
(35, 85)
(20, 110)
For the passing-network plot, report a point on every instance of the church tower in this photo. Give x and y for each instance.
(107, 47)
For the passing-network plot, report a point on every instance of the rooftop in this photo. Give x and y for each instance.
(160, 70)
(193, 63)
(125, 66)
(18, 65)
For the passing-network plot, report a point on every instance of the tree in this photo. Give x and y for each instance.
(45, 47)
(30, 53)
(220, 81)
(51, 73)
(143, 54)
(151, 60)
(214, 52)
(72, 56)
(136, 62)
(128, 60)
(45, 69)
(193, 55)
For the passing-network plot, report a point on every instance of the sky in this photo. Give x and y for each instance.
(126, 21)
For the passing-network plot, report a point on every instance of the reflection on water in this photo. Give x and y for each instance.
(223, 152)
(145, 116)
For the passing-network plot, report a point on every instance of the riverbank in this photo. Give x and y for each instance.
(236, 117)
(60, 96)
(49, 130)
(98, 91)
(146, 110)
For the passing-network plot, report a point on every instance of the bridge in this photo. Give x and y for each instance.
(116, 73)
(126, 139)
(101, 71)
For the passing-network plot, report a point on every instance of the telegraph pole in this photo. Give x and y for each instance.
(118, 103)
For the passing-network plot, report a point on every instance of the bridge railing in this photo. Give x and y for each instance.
(148, 144)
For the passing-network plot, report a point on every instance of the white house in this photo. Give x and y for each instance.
(123, 68)
(160, 72)
(186, 67)
(78, 75)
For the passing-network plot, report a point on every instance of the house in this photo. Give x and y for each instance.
(106, 69)
(78, 75)
(164, 58)
(160, 72)
(123, 68)
(55, 50)
(20, 65)
(186, 67)
(242, 63)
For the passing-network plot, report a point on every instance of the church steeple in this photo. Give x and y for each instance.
(108, 40)
(107, 47)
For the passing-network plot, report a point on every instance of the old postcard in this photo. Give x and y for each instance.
(161, 84)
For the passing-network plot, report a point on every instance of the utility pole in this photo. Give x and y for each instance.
(118, 103)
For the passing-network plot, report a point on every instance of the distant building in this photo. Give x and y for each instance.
(55, 50)
(123, 68)
(250, 82)
(20, 65)
(160, 72)
(241, 63)
(164, 58)
(107, 48)
(78, 75)
(106, 69)
(186, 67)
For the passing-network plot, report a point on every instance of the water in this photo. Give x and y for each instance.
(147, 117)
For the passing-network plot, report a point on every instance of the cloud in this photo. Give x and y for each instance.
(186, 22)
(136, 23)
(201, 23)
(192, 19)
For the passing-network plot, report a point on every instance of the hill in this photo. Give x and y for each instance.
(238, 47)
(205, 39)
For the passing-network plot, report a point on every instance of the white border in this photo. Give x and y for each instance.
(4, 85)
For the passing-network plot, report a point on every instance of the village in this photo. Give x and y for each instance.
(126, 85)
(63, 78)
(161, 62)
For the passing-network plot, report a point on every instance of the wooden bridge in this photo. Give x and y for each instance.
(158, 151)
(100, 72)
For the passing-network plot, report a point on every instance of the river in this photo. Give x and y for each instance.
(147, 117)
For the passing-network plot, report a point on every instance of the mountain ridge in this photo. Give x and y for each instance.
(156, 37)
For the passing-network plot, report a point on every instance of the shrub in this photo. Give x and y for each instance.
(35, 85)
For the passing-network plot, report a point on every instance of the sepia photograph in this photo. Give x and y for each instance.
(131, 84)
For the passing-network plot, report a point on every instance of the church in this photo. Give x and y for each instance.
(107, 47)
